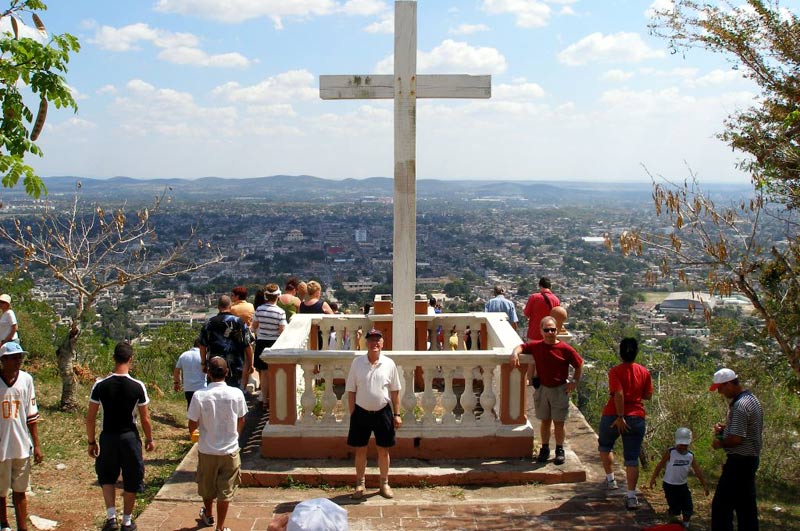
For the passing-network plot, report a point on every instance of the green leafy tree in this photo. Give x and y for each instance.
(32, 65)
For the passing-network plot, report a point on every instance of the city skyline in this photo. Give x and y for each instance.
(180, 88)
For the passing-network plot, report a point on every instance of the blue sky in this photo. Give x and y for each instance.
(194, 88)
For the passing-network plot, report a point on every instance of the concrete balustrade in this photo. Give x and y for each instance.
(465, 404)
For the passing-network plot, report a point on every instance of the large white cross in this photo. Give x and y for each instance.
(404, 87)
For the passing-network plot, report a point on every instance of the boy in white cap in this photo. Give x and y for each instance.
(676, 463)
(18, 431)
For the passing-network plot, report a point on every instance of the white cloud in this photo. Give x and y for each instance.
(177, 48)
(518, 92)
(659, 6)
(453, 57)
(145, 109)
(665, 102)
(76, 94)
(567, 11)
(529, 13)
(235, 11)
(287, 86)
(363, 7)
(715, 77)
(673, 73)
(197, 57)
(618, 47)
(616, 75)
(280, 110)
(384, 25)
(468, 29)
(125, 39)
(106, 89)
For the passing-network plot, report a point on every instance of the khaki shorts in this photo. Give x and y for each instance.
(218, 476)
(15, 474)
(551, 403)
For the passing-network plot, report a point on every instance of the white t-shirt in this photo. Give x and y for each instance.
(217, 409)
(18, 406)
(372, 384)
(190, 364)
(7, 320)
(677, 470)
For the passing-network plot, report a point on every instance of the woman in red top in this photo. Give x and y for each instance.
(628, 383)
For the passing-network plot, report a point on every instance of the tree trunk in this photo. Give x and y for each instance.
(65, 355)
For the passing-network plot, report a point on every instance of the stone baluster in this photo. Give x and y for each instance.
(468, 398)
(308, 400)
(488, 398)
(328, 399)
(428, 398)
(409, 399)
(449, 400)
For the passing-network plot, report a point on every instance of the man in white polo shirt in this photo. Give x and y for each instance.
(219, 411)
(373, 394)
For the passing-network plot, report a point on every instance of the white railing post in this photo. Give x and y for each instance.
(409, 400)
(308, 400)
(488, 398)
(449, 399)
(468, 398)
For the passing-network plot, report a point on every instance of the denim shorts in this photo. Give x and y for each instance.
(631, 441)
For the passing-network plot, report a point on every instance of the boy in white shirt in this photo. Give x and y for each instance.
(676, 463)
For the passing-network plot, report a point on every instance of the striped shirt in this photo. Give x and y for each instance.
(745, 420)
(268, 319)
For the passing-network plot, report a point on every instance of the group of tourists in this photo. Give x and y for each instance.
(214, 373)
(623, 416)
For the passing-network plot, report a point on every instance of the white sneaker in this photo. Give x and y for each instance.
(611, 484)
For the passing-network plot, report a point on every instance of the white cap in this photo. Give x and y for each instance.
(722, 376)
(5, 297)
(12, 347)
(317, 514)
(683, 436)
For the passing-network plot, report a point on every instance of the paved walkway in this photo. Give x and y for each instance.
(584, 505)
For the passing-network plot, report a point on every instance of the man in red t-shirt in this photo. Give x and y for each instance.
(550, 377)
(538, 307)
(628, 383)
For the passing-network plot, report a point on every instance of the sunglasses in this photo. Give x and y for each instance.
(549, 330)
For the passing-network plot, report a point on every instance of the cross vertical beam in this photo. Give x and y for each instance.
(404, 276)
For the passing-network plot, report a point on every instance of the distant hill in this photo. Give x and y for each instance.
(302, 188)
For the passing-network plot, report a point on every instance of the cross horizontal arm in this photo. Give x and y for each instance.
(381, 87)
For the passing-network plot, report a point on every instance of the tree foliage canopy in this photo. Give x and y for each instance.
(762, 40)
(32, 66)
(751, 247)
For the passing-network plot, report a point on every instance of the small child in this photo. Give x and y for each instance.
(677, 461)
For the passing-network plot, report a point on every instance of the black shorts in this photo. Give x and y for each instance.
(121, 452)
(679, 499)
(261, 344)
(363, 423)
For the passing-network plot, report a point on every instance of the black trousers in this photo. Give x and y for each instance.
(736, 492)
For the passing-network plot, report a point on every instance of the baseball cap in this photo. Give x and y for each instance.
(374, 332)
(722, 376)
(12, 347)
(317, 514)
(683, 436)
(5, 297)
